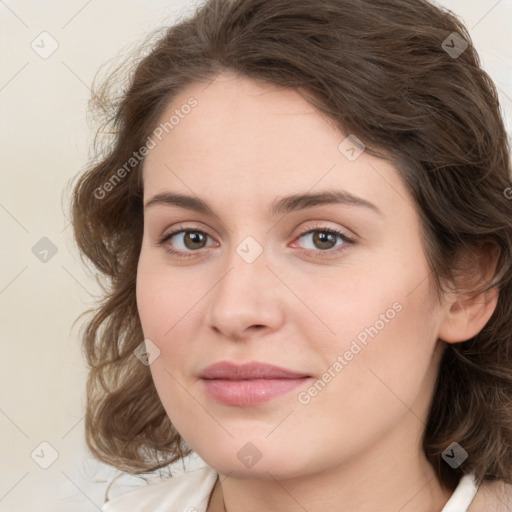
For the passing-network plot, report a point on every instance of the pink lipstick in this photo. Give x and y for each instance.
(250, 383)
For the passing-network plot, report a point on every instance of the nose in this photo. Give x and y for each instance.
(247, 301)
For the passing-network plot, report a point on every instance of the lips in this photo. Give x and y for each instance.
(250, 383)
(232, 371)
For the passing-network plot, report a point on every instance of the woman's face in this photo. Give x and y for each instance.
(260, 277)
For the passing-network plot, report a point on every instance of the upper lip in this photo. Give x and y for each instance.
(247, 371)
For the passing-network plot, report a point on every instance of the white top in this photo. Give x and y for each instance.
(191, 491)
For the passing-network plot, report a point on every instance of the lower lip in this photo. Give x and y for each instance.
(249, 392)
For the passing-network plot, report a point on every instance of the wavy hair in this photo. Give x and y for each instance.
(391, 72)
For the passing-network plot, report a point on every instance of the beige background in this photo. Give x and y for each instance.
(45, 141)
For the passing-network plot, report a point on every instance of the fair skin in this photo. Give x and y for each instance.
(244, 145)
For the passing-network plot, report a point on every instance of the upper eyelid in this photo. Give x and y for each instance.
(304, 231)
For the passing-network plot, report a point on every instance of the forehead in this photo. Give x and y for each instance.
(239, 118)
(246, 138)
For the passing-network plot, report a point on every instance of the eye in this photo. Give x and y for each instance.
(186, 241)
(323, 239)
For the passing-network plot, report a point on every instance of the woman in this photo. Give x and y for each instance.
(304, 220)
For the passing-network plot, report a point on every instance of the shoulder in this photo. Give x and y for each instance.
(492, 496)
(187, 492)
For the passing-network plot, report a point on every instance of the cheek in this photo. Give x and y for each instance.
(380, 317)
(387, 339)
(163, 297)
(163, 300)
(169, 309)
(363, 303)
(377, 371)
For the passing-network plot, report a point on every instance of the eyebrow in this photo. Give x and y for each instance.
(282, 205)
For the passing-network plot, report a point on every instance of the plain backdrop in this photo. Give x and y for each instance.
(45, 140)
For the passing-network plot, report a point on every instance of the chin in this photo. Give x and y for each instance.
(265, 464)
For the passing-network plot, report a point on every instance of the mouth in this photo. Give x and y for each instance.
(250, 383)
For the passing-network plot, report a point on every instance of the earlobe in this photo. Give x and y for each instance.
(467, 316)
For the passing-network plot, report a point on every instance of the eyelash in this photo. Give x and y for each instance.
(317, 254)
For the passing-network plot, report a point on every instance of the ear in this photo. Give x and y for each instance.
(465, 312)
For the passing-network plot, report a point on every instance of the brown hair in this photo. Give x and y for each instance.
(379, 69)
